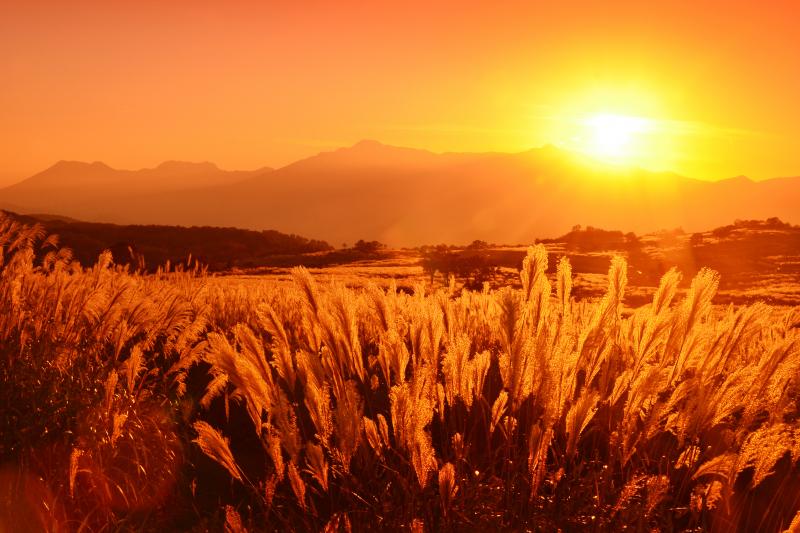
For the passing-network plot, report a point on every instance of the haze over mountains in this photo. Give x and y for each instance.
(404, 196)
(97, 192)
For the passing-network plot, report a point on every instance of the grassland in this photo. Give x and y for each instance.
(756, 260)
(182, 401)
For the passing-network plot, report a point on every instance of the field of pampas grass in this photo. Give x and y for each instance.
(162, 402)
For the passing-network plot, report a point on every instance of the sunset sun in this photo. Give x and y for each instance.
(613, 136)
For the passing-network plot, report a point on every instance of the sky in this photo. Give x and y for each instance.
(708, 89)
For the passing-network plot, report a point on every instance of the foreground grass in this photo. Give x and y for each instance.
(164, 402)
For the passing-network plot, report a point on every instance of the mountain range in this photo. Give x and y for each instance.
(404, 196)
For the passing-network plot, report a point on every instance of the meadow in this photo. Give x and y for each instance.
(180, 401)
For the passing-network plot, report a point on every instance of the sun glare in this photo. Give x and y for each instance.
(613, 136)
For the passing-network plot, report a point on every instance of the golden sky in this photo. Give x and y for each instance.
(709, 89)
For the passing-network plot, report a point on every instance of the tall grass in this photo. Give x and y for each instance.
(163, 401)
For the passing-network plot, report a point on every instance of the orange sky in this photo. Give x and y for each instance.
(247, 84)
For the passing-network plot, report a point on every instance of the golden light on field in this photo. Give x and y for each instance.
(614, 136)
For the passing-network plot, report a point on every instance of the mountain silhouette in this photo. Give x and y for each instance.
(95, 191)
(405, 196)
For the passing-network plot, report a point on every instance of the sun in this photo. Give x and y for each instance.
(612, 136)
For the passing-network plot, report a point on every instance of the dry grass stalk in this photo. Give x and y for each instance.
(215, 446)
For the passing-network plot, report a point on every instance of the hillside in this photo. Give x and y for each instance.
(407, 197)
(152, 246)
(758, 260)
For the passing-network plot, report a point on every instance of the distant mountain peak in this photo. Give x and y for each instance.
(369, 143)
(372, 152)
(552, 151)
(70, 164)
(738, 179)
(187, 166)
(73, 182)
(551, 148)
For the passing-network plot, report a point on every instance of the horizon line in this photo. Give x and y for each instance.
(370, 141)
